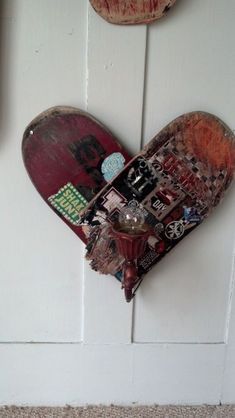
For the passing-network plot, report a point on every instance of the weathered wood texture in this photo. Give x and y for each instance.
(63, 150)
(129, 12)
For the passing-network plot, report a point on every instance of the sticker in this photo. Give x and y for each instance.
(141, 178)
(159, 228)
(174, 230)
(158, 205)
(134, 204)
(112, 165)
(147, 260)
(69, 202)
(191, 214)
(113, 200)
(163, 198)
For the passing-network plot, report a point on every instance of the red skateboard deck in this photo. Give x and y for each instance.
(177, 179)
(127, 12)
(69, 157)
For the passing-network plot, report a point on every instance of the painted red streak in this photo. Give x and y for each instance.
(152, 5)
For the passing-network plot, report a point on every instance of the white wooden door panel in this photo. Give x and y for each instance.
(78, 374)
(178, 373)
(116, 63)
(190, 62)
(50, 60)
(41, 259)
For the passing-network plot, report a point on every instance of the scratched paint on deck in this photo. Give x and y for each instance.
(63, 150)
(132, 11)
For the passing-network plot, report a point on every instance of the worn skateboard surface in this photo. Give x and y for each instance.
(69, 157)
(126, 12)
(177, 179)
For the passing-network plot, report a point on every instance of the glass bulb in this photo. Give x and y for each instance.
(131, 219)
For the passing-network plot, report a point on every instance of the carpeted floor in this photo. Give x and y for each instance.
(121, 412)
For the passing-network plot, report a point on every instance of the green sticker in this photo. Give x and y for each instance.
(69, 202)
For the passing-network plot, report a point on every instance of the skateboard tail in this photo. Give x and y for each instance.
(69, 156)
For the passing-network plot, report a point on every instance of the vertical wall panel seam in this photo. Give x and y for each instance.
(133, 321)
(223, 374)
(227, 324)
(144, 86)
(230, 300)
(86, 81)
(132, 331)
(83, 298)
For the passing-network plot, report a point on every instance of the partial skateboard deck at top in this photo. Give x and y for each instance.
(126, 12)
(177, 179)
(69, 157)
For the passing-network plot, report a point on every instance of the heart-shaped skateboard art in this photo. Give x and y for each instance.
(127, 12)
(87, 178)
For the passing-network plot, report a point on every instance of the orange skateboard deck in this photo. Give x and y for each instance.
(177, 180)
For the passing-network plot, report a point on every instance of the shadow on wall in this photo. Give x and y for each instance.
(7, 21)
(177, 9)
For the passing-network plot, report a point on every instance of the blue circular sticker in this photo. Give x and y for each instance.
(112, 165)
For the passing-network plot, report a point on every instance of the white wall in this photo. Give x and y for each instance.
(66, 334)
